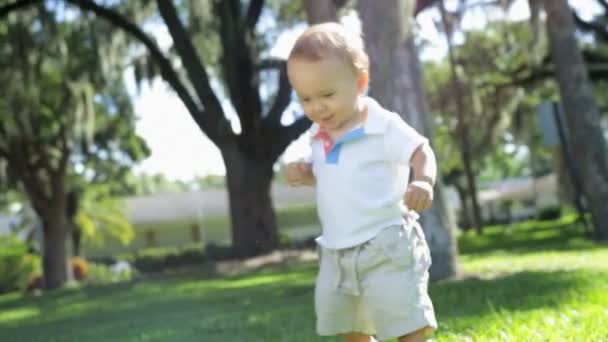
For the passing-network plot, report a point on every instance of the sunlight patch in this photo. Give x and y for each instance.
(19, 314)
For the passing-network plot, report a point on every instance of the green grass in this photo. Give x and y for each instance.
(531, 282)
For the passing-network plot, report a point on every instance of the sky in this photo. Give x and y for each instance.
(180, 151)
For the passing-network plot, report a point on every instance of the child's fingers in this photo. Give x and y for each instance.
(416, 203)
(417, 200)
(293, 174)
(305, 167)
(411, 199)
(425, 204)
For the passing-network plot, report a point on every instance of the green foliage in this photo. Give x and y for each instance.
(66, 96)
(66, 120)
(101, 274)
(297, 216)
(165, 258)
(17, 265)
(100, 215)
(500, 111)
(550, 213)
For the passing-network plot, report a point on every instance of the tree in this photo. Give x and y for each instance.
(99, 215)
(249, 155)
(396, 82)
(495, 113)
(48, 115)
(588, 144)
(319, 11)
(463, 127)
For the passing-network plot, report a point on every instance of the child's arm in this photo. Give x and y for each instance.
(419, 194)
(299, 173)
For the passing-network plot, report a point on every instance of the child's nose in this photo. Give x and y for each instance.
(318, 108)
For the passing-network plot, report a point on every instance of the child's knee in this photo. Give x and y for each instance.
(358, 337)
(419, 335)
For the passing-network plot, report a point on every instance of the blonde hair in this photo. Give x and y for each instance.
(331, 39)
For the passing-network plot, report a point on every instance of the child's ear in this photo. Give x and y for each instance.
(362, 81)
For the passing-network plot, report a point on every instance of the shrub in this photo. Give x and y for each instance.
(17, 266)
(297, 216)
(550, 213)
(162, 258)
(103, 274)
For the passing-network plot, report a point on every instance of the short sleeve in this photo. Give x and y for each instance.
(401, 140)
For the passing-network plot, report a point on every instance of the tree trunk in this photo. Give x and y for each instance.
(463, 129)
(396, 83)
(582, 116)
(55, 254)
(320, 11)
(76, 240)
(471, 183)
(254, 226)
(465, 212)
(566, 191)
(72, 206)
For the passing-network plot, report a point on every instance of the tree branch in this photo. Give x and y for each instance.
(26, 175)
(286, 135)
(270, 63)
(166, 69)
(4, 139)
(192, 62)
(35, 149)
(238, 66)
(4, 149)
(592, 27)
(17, 5)
(319, 11)
(283, 97)
(421, 5)
(594, 57)
(253, 13)
(65, 149)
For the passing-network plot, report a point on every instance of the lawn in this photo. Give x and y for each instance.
(529, 282)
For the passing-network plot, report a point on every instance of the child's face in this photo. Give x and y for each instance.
(328, 89)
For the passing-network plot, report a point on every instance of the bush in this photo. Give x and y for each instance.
(162, 258)
(218, 252)
(550, 213)
(100, 274)
(17, 266)
(297, 216)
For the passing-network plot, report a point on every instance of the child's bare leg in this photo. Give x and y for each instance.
(417, 336)
(358, 337)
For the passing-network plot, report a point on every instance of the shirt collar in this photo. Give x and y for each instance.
(375, 123)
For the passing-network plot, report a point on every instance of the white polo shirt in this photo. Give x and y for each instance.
(362, 177)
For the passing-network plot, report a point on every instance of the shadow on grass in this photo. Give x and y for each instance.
(515, 292)
(236, 309)
(272, 306)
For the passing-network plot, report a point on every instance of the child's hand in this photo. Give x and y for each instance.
(299, 173)
(419, 196)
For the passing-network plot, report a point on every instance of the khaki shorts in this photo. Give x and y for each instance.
(377, 288)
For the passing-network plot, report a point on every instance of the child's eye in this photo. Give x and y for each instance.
(328, 94)
(305, 100)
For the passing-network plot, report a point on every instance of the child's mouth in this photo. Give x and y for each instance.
(327, 119)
